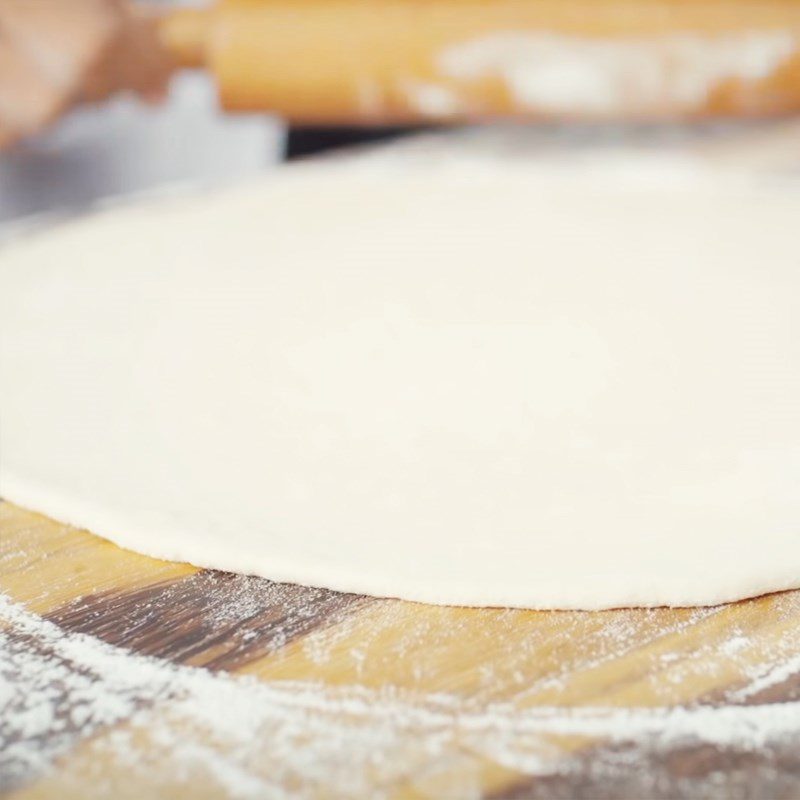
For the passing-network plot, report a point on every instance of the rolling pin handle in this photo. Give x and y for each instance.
(185, 34)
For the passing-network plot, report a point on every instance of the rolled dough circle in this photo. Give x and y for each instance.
(476, 386)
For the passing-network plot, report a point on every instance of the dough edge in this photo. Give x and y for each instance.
(605, 594)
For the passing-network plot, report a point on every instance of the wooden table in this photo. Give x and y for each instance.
(125, 676)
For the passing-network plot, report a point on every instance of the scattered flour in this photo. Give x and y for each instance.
(249, 738)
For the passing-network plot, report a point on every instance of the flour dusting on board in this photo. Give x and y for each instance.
(250, 738)
(562, 74)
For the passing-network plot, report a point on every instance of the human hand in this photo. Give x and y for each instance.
(55, 53)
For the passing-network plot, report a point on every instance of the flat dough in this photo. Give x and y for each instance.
(467, 384)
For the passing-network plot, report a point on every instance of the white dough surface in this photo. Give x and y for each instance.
(473, 384)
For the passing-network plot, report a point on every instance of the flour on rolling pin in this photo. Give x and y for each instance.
(580, 59)
(562, 75)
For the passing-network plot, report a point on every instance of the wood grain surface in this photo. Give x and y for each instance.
(478, 703)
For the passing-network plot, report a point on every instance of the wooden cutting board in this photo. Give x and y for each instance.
(125, 676)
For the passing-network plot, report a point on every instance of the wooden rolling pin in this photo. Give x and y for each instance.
(407, 61)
